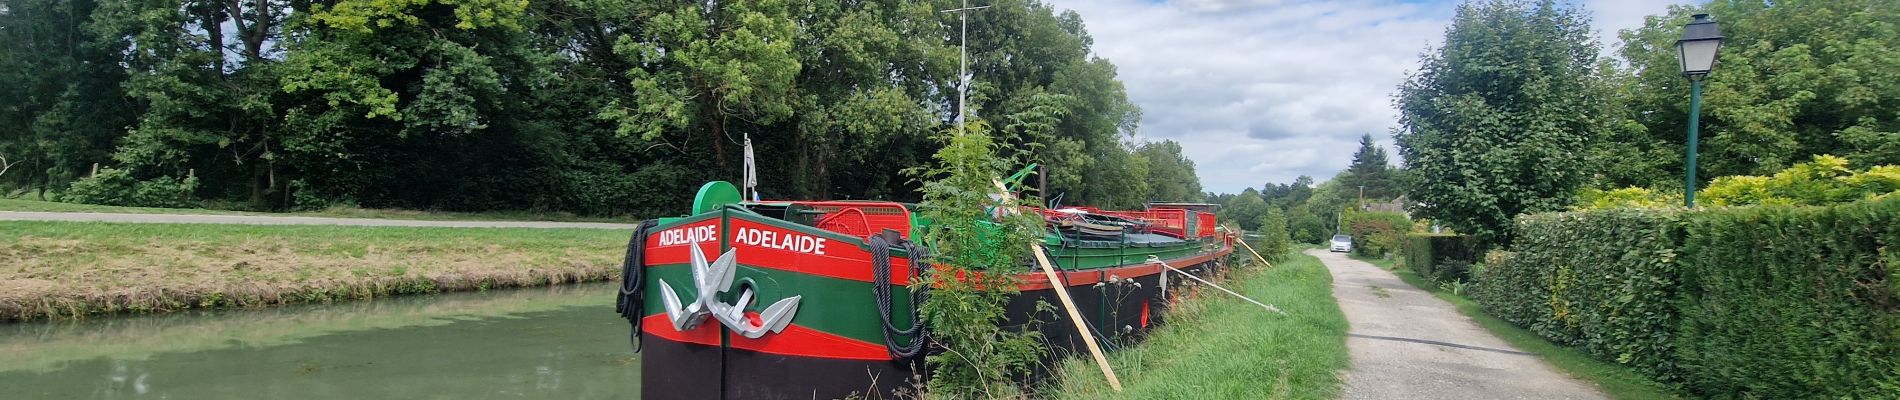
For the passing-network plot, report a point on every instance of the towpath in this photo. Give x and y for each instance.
(1407, 344)
(287, 220)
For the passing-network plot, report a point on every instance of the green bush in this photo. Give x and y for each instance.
(117, 187)
(1376, 233)
(1439, 257)
(1599, 280)
(1759, 302)
(1792, 302)
(1272, 240)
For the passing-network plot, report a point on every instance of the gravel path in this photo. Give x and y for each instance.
(1406, 344)
(276, 220)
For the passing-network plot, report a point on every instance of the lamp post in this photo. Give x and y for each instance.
(1700, 40)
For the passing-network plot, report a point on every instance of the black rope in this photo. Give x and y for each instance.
(881, 245)
(631, 301)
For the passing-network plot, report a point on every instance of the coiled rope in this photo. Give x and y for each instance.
(631, 301)
(881, 245)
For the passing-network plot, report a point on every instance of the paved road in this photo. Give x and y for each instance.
(1406, 344)
(277, 220)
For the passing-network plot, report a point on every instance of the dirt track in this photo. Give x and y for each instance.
(1406, 344)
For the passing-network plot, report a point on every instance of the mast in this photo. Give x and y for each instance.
(963, 59)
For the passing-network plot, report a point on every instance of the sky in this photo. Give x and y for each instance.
(1263, 91)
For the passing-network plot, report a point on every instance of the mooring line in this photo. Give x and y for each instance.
(1438, 343)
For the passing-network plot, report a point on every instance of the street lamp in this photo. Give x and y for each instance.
(1700, 40)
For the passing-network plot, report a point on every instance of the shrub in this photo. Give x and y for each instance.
(1599, 280)
(1792, 302)
(1757, 302)
(1825, 180)
(1425, 253)
(1376, 234)
(1273, 241)
(117, 187)
(1629, 197)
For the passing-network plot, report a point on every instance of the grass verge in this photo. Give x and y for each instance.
(1616, 381)
(333, 212)
(72, 269)
(1219, 347)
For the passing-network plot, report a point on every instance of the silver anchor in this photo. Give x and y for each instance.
(714, 278)
(709, 278)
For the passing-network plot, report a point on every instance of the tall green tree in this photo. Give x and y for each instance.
(1794, 79)
(1496, 121)
(204, 76)
(1371, 172)
(1171, 175)
(63, 103)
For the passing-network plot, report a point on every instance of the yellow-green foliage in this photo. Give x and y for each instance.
(1629, 197)
(367, 15)
(1825, 180)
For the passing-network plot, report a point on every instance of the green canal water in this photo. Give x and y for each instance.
(541, 343)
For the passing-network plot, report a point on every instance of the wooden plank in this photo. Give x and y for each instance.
(1062, 292)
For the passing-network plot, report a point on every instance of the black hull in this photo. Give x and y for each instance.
(1113, 312)
(666, 364)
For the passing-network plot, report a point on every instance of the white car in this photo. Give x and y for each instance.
(1342, 243)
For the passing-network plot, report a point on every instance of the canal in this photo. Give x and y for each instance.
(556, 342)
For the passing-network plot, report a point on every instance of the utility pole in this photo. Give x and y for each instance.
(1362, 197)
(963, 59)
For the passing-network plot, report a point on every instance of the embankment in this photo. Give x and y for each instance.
(1218, 347)
(52, 270)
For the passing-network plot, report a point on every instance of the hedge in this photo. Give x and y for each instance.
(1781, 302)
(1758, 302)
(1440, 257)
(1602, 281)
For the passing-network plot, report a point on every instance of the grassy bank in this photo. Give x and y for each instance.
(1219, 347)
(1615, 380)
(7, 204)
(73, 269)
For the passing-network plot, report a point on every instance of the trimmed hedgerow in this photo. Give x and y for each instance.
(1602, 281)
(1440, 257)
(1787, 302)
(1759, 302)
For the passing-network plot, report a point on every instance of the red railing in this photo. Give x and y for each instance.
(859, 218)
(1205, 225)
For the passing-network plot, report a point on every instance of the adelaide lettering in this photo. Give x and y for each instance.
(780, 240)
(687, 235)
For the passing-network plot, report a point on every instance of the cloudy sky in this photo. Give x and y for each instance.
(1262, 91)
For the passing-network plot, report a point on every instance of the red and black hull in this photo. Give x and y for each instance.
(836, 343)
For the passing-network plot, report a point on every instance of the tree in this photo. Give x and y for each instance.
(1245, 210)
(208, 106)
(62, 105)
(1795, 79)
(1170, 174)
(1496, 121)
(599, 108)
(1369, 170)
(1273, 241)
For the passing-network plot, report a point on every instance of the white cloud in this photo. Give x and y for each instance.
(1267, 90)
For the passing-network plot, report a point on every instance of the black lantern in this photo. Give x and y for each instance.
(1700, 40)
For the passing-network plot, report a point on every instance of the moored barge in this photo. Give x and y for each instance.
(811, 299)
